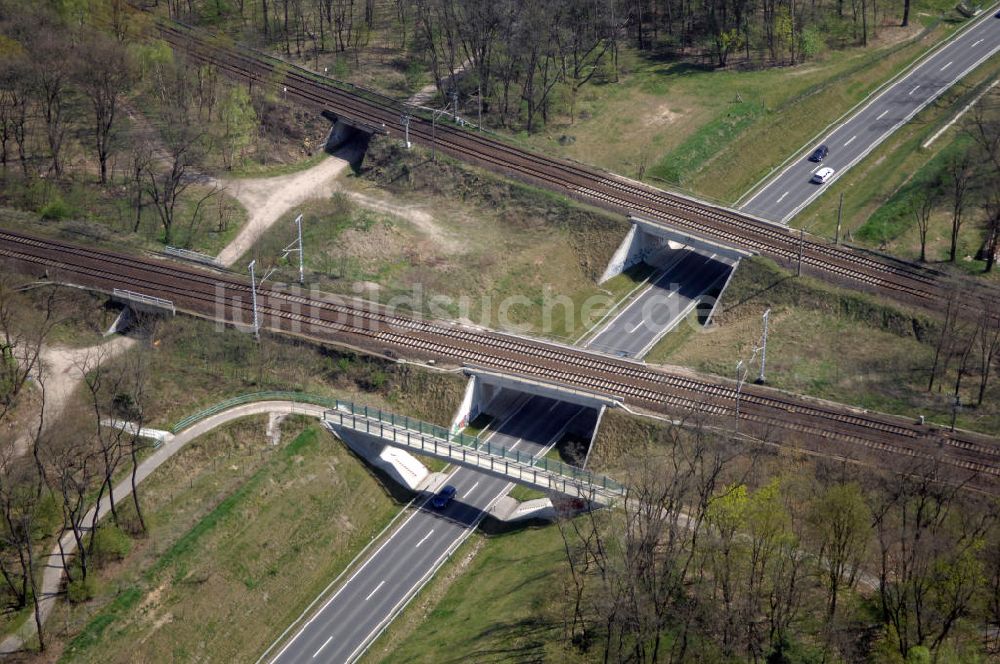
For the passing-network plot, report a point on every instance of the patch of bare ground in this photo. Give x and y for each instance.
(267, 199)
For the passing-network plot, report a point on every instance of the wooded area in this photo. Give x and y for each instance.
(715, 559)
(523, 59)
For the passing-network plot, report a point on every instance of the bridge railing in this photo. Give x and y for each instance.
(300, 397)
(438, 441)
(143, 299)
(194, 256)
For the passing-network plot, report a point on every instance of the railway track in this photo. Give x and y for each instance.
(817, 426)
(912, 284)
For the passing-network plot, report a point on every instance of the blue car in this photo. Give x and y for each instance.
(819, 154)
(444, 497)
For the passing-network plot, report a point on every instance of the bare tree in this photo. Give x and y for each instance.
(140, 161)
(51, 81)
(923, 206)
(104, 74)
(15, 97)
(72, 466)
(20, 500)
(991, 227)
(989, 340)
(166, 188)
(24, 327)
(840, 522)
(929, 571)
(960, 176)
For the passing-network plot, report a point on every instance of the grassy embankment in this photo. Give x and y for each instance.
(829, 343)
(239, 545)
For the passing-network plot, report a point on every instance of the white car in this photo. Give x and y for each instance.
(822, 175)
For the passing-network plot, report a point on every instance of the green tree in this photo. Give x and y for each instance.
(840, 531)
(239, 123)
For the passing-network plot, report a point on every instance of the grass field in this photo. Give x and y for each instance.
(268, 536)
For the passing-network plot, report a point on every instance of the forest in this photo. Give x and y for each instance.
(514, 60)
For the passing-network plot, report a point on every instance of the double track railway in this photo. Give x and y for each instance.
(817, 427)
(909, 283)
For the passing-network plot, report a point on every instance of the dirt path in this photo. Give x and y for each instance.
(62, 375)
(266, 199)
(63, 370)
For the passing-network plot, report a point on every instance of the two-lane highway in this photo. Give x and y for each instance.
(362, 606)
(791, 190)
(661, 306)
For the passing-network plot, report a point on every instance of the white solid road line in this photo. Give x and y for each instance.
(424, 539)
(850, 140)
(782, 197)
(945, 67)
(380, 584)
(882, 114)
(976, 43)
(322, 646)
(915, 88)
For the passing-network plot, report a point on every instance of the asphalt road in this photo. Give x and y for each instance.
(659, 308)
(367, 601)
(791, 190)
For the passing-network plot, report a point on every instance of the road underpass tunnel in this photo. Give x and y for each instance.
(676, 275)
(491, 399)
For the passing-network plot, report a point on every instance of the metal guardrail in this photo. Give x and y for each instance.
(437, 441)
(301, 397)
(189, 255)
(140, 298)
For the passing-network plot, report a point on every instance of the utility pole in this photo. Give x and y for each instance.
(302, 267)
(840, 218)
(763, 348)
(479, 94)
(434, 117)
(739, 387)
(253, 294)
(454, 101)
(802, 242)
(405, 119)
(954, 411)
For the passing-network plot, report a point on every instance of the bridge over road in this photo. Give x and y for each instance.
(473, 452)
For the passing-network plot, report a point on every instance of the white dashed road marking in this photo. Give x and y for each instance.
(424, 539)
(915, 88)
(850, 140)
(322, 646)
(782, 197)
(380, 584)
